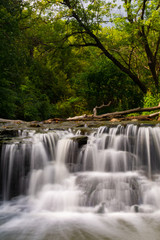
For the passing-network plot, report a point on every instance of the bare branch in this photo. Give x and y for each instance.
(146, 67)
(98, 107)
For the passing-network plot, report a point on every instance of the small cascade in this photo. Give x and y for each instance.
(147, 149)
(20, 158)
(52, 187)
(119, 191)
(15, 163)
(81, 185)
(110, 151)
(65, 153)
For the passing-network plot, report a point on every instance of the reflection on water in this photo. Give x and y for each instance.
(55, 187)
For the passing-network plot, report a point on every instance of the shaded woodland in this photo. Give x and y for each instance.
(64, 58)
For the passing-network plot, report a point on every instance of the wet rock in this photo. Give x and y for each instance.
(114, 120)
(9, 132)
(81, 140)
(49, 121)
(136, 208)
(35, 125)
(134, 120)
(2, 120)
(101, 208)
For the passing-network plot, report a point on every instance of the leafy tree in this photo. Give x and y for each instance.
(103, 82)
(62, 58)
(35, 105)
(11, 56)
(138, 24)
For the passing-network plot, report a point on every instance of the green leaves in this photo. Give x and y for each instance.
(54, 55)
(102, 82)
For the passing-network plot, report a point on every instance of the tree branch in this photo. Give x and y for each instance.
(143, 9)
(158, 6)
(157, 48)
(130, 56)
(121, 56)
(151, 58)
(105, 51)
(83, 45)
(129, 15)
(98, 107)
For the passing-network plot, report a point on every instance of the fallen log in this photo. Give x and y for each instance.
(78, 118)
(135, 110)
(154, 114)
(109, 116)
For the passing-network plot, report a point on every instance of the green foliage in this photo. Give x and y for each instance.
(102, 82)
(130, 39)
(7, 100)
(70, 107)
(151, 100)
(36, 108)
(35, 104)
(12, 58)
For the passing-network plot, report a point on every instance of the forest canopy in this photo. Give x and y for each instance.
(61, 58)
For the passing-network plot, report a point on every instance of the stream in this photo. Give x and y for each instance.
(97, 183)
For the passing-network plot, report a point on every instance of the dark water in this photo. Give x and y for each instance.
(64, 185)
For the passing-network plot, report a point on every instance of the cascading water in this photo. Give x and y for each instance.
(60, 185)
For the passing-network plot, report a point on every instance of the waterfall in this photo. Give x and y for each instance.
(71, 184)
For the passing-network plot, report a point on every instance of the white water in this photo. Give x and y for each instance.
(55, 189)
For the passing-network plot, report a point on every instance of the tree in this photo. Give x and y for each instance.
(12, 58)
(61, 58)
(138, 23)
(103, 82)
